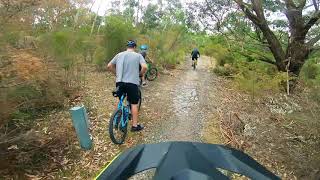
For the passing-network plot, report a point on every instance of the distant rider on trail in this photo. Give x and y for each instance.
(195, 54)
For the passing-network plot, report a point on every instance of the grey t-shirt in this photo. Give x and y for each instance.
(127, 66)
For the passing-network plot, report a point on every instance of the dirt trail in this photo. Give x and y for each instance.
(177, 107)
(182, 102)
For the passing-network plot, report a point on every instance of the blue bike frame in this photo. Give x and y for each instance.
(125, 111)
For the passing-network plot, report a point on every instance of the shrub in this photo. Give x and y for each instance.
(29, 85)
(99, 57)
(310, 71)
(226, 70)
(167, 48)
(315, 94)
(116, 33)
(220, 53)
(256, 81)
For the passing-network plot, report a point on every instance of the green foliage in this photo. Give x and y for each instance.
(66, 46)
(151, 17)
(12, 38)
(254, 78)
(220, 53)
(116, 33)
(310, 71)
(100, 56)
(224, 70)
(25, 92)
(167, 48)
(315, 94)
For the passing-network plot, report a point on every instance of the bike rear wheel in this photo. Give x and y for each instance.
(152, 74)
(116, 131)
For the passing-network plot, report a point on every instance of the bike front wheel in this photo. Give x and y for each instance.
(117, 131)
(152, 74)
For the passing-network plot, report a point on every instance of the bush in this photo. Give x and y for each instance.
(226, 70)
(254, 78)
(220, 53)
(116, 33)
(315, 94)
(29, 85)
(310, 71)
(99, 57)
(12, 38)
(167, 49)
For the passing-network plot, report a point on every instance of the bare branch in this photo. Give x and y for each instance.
(313, 41)
(316, 5)
(312, 21)
(247, 11)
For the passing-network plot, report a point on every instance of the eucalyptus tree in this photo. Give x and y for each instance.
(288, 29)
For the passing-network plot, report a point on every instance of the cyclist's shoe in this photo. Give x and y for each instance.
(136, 129)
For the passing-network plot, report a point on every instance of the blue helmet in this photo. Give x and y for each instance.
(131, 43)
(144, 47)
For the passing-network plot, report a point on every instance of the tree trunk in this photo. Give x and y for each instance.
(297, 53)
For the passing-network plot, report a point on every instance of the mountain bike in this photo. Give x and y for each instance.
(194, 63)
(152, 72)
(118, 124)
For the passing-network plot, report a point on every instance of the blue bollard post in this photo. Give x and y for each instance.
(81, 124)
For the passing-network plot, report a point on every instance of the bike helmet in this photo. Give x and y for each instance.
(144, 47)
(185, 161)
(131, 43)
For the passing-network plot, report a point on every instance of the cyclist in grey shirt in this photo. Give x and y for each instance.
(126, 67)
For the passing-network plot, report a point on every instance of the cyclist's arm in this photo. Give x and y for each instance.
(144, 68)
(143, 64)
(112, 64)
(112, 67)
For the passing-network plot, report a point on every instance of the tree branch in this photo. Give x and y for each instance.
(275, 45)
(260, 58)
(246, 10)
(312, 21)
(316, 6)
(313, 41)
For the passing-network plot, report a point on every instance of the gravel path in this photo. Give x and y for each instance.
(184, 95)
(178, 106)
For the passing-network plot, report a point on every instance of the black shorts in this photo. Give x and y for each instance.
(194, 58)
(132, 91)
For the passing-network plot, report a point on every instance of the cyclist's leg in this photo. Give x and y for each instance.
(143, 77)
(133, 98)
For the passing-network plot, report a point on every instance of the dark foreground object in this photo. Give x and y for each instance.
(184, 160)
